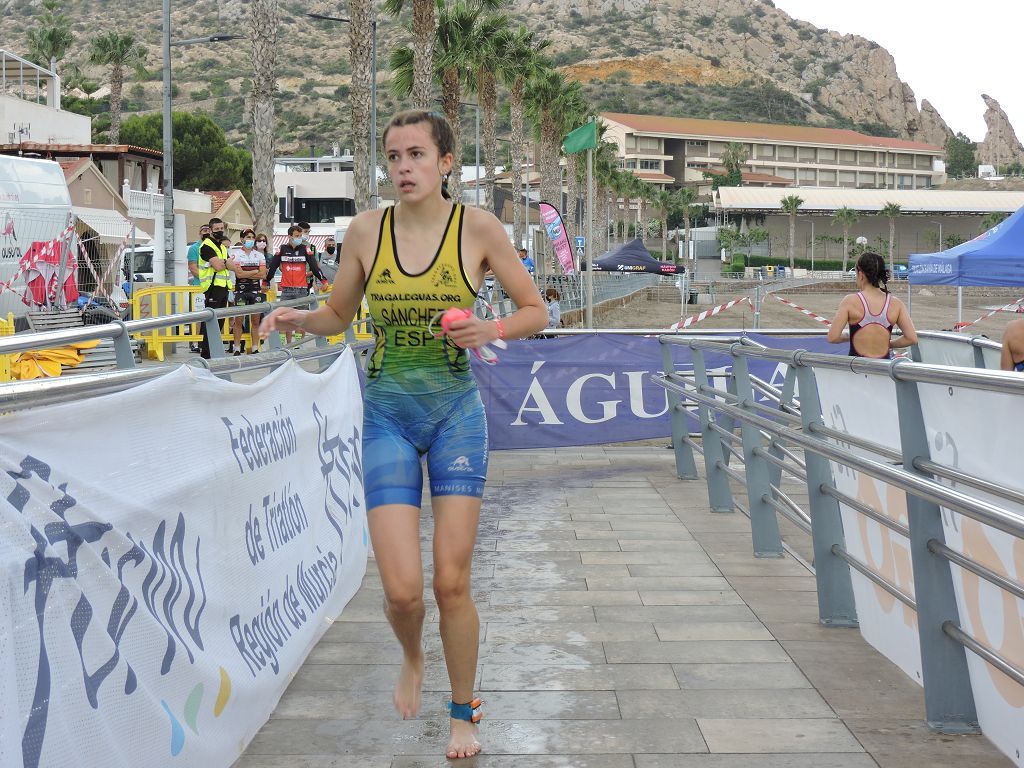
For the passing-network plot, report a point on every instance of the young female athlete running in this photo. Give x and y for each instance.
(413, 261)
(871, 314)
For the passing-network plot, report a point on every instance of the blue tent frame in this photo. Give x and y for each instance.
(996, 257)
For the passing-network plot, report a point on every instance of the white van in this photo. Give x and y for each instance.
(34, 207)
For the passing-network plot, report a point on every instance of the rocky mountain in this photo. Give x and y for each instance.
(727, 59)
(1001, 146)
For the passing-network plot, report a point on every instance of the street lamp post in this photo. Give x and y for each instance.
(372, 159)
(168, 138)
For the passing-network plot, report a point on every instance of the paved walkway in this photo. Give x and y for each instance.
(623, 626)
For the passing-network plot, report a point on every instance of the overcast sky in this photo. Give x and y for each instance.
(950, 52)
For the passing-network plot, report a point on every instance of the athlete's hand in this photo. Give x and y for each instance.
(287, 319)
(472, 332)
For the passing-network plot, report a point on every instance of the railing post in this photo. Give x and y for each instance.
(213, 336)
(123, 348)
(728, 423)
(686, 467)
(788, 387)
(948, 698)
(719, 491)
(764, 525)
(836, 604)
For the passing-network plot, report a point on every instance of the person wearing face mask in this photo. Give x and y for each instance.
(311, 249)
(250, 271)
(293, 259)
(215, 271)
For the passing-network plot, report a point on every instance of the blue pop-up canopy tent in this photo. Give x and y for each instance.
(995, 257)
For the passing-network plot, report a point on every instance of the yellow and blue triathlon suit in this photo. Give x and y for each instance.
(421, 397)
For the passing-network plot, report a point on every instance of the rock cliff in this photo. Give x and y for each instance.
(1001, 146)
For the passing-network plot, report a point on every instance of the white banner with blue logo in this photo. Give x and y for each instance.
(170, 555)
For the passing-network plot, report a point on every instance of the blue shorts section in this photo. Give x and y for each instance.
(397, 433)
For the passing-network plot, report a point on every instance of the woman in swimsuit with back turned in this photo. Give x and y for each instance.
(871, 314)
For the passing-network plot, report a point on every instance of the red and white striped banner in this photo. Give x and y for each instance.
(803, 311)
(30, 263)
(710, 313)
(1011, 307)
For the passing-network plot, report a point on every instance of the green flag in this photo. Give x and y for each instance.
(584, 137)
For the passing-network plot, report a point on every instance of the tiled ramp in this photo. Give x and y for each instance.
(623, 625)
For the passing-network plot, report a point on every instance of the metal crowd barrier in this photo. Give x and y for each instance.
(121, 331)
(752, 433)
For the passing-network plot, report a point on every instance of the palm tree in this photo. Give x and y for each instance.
(424, 21)
(605, 166)
(845, 217)
(665, 202)
(360, 53)
(645, 196)
(575, 112)
(545, 94)
(117, 51)
(486, 57)
(790, 205)
(264, 19)
(891, 211)
(520, 62)
(686, 199)
(734, 156)
(456, 38)
(620, 186)
(49, 42)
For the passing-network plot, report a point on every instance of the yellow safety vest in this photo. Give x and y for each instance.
(207, 274)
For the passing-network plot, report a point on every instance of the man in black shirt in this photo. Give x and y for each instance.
(213, 255)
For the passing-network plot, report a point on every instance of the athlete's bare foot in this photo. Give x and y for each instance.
(464, 741)
(408, 689)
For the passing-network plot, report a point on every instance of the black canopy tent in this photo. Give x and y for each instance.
(633, 257)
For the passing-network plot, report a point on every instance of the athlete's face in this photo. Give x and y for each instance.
(414, 163)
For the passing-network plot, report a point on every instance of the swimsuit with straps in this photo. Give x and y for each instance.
(421, 396)
(881, 318)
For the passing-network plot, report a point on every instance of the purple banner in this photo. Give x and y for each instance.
(587, 390)
(556, 233)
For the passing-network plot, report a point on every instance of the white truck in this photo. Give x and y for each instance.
(35, 207)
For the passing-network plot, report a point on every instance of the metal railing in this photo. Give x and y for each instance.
(121, 332)
(748, 434)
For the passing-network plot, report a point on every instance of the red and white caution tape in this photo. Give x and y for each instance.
(710, 313)
(1011, 307)
(803, 311)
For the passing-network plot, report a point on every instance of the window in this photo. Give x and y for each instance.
(847, 156)
(805, 154)
(826, 178)
(766, 150)
(649, 143)
(650, 165)
(847, 179)
(867, 158)
(630, 141)
(904, 161)
(807, 174)
(923, 162)
(787, 153)
(690, 144)
(866, 180)
(827, 156)
(786, 173)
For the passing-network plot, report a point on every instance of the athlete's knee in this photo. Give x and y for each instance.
(451, 587)
(404, 601)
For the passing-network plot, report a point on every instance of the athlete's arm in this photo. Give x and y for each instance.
(906, 326)
(336, 314)
(839, 323)
(275, 263)
(486, 233)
